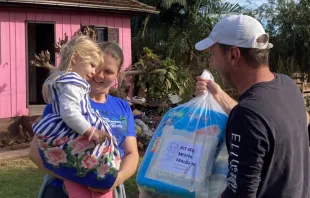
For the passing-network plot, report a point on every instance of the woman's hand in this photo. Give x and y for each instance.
(118, 181)
(129, 163)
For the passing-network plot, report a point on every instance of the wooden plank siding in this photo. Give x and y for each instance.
(13, 49)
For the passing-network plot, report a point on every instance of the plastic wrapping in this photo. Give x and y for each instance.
(187, 156)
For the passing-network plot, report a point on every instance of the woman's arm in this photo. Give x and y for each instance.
(128, 166)
(130, 160)
(34, 156)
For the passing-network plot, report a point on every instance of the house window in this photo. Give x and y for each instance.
(102, 34)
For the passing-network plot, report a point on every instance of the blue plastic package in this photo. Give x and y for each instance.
(187, 156)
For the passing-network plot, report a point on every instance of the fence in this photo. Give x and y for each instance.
(302, 82)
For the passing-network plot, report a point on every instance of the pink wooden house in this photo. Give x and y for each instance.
(29, 26)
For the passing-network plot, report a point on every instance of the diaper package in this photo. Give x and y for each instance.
(187, 156)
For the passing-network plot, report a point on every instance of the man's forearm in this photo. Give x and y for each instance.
(226, 102)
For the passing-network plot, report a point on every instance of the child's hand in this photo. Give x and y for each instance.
(97, 135)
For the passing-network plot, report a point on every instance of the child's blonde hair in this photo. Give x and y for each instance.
(81, 47)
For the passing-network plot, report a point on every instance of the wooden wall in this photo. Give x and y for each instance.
(13, 66)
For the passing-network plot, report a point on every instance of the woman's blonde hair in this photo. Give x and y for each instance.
(81, 47)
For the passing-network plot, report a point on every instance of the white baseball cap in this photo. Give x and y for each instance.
(237, 30)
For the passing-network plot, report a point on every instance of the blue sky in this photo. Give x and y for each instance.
(249, 4)
(246, 2)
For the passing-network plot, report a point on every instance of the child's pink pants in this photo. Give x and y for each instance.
(79, 191)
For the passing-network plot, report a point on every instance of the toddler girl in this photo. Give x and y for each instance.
(74, 141)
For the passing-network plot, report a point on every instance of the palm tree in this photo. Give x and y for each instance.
(174, 32)
(180, 24)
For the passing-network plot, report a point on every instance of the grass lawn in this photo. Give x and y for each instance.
(21, 179)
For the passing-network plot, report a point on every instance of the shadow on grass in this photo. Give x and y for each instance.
(19, 179)
(131, 187)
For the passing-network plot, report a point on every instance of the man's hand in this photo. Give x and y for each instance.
(203, 86)
(226, 102)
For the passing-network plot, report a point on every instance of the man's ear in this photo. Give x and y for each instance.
(234, 54)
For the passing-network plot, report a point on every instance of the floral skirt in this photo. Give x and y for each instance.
(73, 157)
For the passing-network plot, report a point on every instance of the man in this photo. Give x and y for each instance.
(266, 134)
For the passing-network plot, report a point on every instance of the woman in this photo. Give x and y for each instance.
(117, 113)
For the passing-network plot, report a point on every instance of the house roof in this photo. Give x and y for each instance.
(120, 5)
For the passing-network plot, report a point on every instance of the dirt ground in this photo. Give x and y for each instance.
(15, 141)
(15, 146)
(18, 135)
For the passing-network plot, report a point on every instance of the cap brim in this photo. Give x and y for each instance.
(204, 44)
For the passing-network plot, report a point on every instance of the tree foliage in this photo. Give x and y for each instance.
(288, 24)
(174, 31)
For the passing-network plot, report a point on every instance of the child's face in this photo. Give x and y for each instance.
(86, 69)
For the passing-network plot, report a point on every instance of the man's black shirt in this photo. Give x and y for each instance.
(267, 140)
